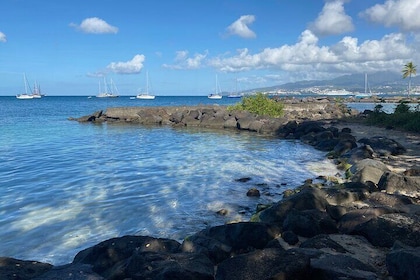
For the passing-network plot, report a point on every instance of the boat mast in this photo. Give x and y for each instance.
(147, 82)
(25, 82)
(365, 83)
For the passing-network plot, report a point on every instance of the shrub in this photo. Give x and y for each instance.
(402, 118)
(259, 104)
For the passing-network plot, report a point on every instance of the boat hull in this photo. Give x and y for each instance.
(147, 97)
(214, 96)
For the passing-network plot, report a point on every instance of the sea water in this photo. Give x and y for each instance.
(66, 186)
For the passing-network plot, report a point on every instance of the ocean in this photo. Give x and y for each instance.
(66, 186)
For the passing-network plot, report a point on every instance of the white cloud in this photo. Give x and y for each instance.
(183, 61)
(129, 67)
(3, 38)
(332, 20)
(240, 27)
(95, 25)
(404, 14)
(347, 56)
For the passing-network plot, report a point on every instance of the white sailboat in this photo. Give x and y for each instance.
(217, 94)
(146, 94)
(107, 93)
(366, 93)
(25, 95)
(235, 94)
(36, 93)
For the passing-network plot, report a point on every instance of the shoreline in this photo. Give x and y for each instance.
(340, 219)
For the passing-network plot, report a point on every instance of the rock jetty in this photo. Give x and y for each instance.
(363, 225)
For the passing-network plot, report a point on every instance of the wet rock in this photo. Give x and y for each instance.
(106, 256)
(253, 193)
(222, 242)
(70, 272)
(243, 180)
(222, 212)
(11, 268)
(308, 198)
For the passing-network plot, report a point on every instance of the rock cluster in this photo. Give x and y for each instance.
(365, 225)
(219, 117)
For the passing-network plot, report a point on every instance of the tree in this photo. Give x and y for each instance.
(408, 71)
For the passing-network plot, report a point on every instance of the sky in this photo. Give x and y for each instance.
(69, 46)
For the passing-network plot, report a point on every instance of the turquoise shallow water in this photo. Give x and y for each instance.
(65, 186)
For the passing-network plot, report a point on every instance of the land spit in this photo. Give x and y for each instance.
(365, 225)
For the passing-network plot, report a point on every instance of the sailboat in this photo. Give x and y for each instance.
(25, 95)
(36, 93)
(107, 93)
(215, 95)
(146, 94)
(365, 94)
(235, 94)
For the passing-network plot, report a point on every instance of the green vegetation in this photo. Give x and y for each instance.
(404, 117)
(408, 71)
(259, 104)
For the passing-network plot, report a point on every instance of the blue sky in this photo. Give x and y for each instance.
(68, 46)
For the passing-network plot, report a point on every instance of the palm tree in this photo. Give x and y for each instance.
(408, 71)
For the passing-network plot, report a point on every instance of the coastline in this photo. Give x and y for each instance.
(336, 229)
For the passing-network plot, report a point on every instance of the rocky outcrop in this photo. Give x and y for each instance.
(362, 225)
(219, 117)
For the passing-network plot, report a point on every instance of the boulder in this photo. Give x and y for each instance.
(368, 170)
(308, 198)
(386, 229)
(222, 242)
(152, 265)
(290, 237)
(341, 267)
(383, 146)
(11, 268)
(308, 127)
(354, 218)
(343, 146)
(308, 223)
(397, 183)
(69, 272)
(359, 153)
(106, 256)
(404, 264)
(269, 263)
(230, 123)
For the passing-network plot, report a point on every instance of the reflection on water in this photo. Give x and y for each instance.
(66, 186)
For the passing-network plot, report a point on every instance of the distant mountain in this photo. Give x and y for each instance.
(377, 82)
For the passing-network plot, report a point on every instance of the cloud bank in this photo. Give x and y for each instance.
(95, 25)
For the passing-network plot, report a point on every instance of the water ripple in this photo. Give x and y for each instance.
(66, 186)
